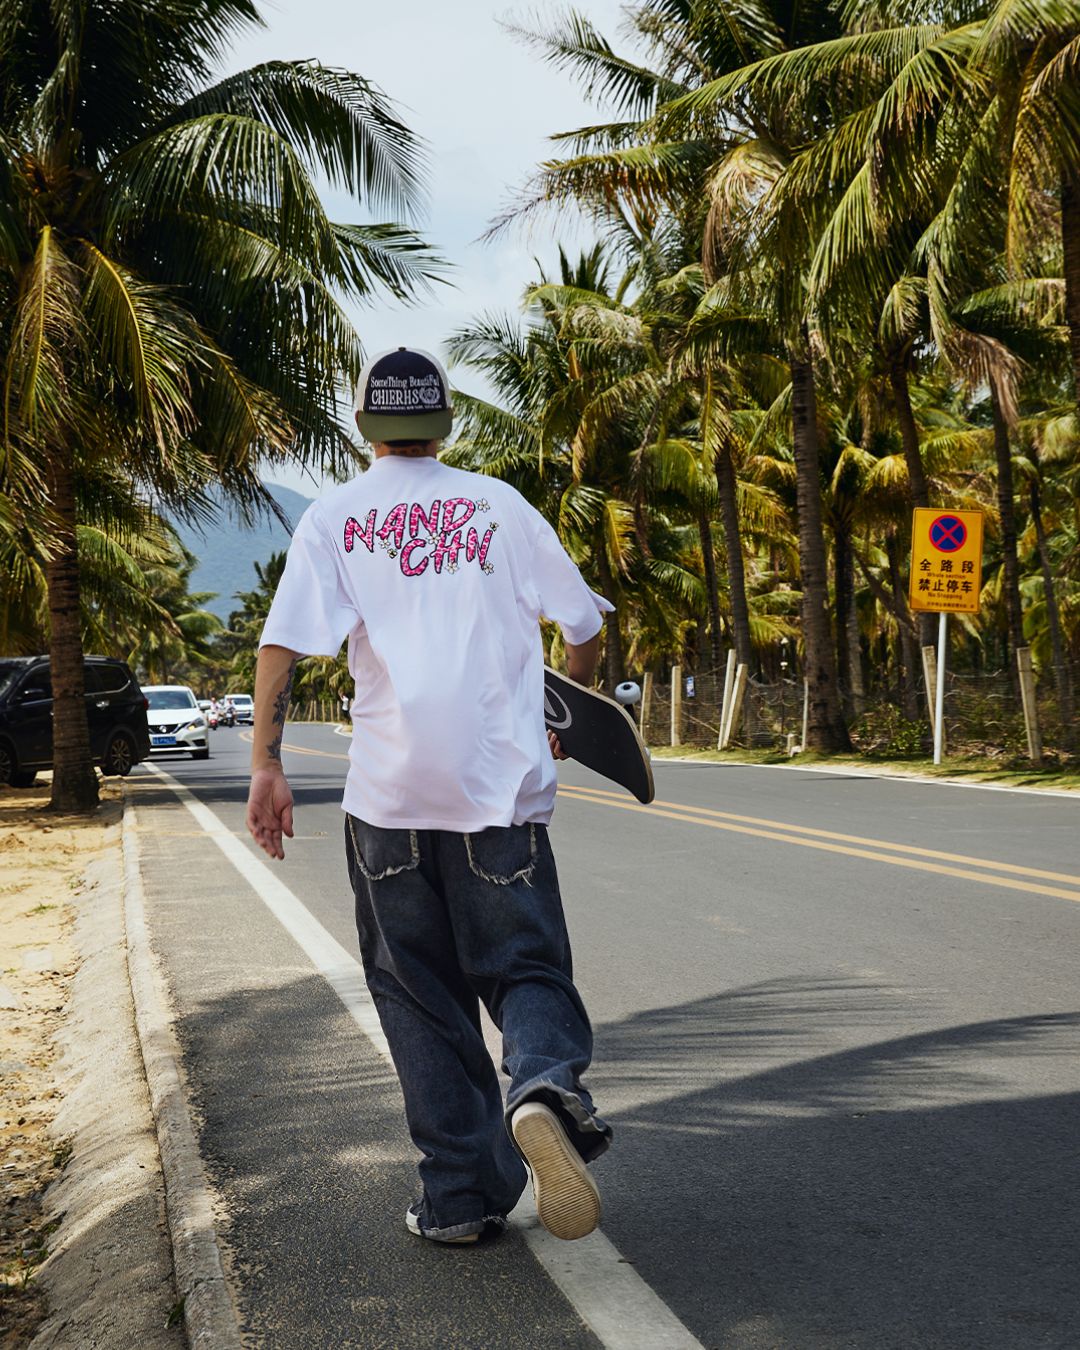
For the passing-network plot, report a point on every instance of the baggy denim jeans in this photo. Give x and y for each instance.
(447, 921)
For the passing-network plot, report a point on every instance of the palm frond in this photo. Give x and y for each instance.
(343, 126)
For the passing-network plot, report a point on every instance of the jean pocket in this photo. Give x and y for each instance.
(383, 853)
(502, 853)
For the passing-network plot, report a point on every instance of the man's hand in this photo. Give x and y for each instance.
(556, 749)
(270, 810)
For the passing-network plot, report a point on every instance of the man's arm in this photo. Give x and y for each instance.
(270, 800)
(581, 661)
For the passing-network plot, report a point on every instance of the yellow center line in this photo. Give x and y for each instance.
(616, 797)
(1029, 888)
(784, 833)
(298, 749)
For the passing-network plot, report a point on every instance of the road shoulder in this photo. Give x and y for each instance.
(106, 1275)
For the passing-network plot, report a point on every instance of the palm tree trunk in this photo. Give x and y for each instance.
(858, 684)
(614, 661)
(909, 656)
(1070, 239)
(74, 785)
(918, 487)
(729, 515)
(712, 590)
(1007, 513)
(848, 651)
(1062, 676)
(841, 571)
(826, 729)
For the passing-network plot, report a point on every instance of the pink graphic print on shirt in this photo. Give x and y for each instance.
(394, 524)
(366, 535)
(439, 528)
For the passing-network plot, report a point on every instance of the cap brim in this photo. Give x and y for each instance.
(381, 427)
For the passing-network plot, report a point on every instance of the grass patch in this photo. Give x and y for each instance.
(40, 909)
(18, 1273)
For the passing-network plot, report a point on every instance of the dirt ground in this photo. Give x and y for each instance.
(42, 859)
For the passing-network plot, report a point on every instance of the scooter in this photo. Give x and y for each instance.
(213, 717)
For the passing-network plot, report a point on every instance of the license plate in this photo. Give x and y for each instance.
(162, 740)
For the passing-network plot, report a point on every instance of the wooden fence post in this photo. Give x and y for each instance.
(676, 705)
(742, 675)
(929, 665)
(646, 704)
(725, 702)
(1031, 711)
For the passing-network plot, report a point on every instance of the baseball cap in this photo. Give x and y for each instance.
(403, 395)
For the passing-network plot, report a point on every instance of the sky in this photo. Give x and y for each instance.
(484, 103)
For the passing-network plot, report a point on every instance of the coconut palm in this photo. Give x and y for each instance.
(179, 648)
(712, 143)
(169, 281)
(582, 428)
(120, 542)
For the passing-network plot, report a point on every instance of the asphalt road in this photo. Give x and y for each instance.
(837, 1031)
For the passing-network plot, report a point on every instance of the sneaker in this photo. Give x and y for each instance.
(567, 1201)
(412, 1223)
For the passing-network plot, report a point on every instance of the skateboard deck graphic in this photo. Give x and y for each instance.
(597, 732)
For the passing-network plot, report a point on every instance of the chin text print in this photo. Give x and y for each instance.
(419, 536)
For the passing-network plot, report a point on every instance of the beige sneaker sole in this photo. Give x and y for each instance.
(567, 1201)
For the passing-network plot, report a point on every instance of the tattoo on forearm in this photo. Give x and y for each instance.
(281, 710)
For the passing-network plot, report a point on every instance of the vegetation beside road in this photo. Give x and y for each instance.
(1010, 773)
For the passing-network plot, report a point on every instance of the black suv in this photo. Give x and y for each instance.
(115, 708)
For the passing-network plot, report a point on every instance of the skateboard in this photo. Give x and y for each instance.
(597, 732)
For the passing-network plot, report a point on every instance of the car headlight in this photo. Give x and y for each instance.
(196, 724)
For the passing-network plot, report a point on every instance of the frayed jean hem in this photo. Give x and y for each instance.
(458, 1230)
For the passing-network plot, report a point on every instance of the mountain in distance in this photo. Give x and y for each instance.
(227, 551)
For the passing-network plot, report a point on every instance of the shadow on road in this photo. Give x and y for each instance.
(915, 1191)
(303, 1131)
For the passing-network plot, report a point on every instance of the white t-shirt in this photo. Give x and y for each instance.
(438, 578)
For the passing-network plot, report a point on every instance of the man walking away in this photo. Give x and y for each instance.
(438, 578)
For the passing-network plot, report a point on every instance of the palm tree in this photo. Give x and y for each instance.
(120, 543)
(1031, 49)
(712, 143)
(178, 648)
(169, 281)
(580, 428)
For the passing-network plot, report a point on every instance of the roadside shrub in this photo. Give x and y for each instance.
(883, 731)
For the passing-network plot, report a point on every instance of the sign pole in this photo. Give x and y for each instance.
(939, 692)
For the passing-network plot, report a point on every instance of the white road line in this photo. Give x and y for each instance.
(603, 1288)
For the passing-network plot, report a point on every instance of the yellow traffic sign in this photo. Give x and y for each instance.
(946, 561)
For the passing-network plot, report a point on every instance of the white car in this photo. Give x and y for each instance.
(243, 706)
(175, 721)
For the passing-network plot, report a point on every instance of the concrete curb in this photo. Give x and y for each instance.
(210, 1317)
